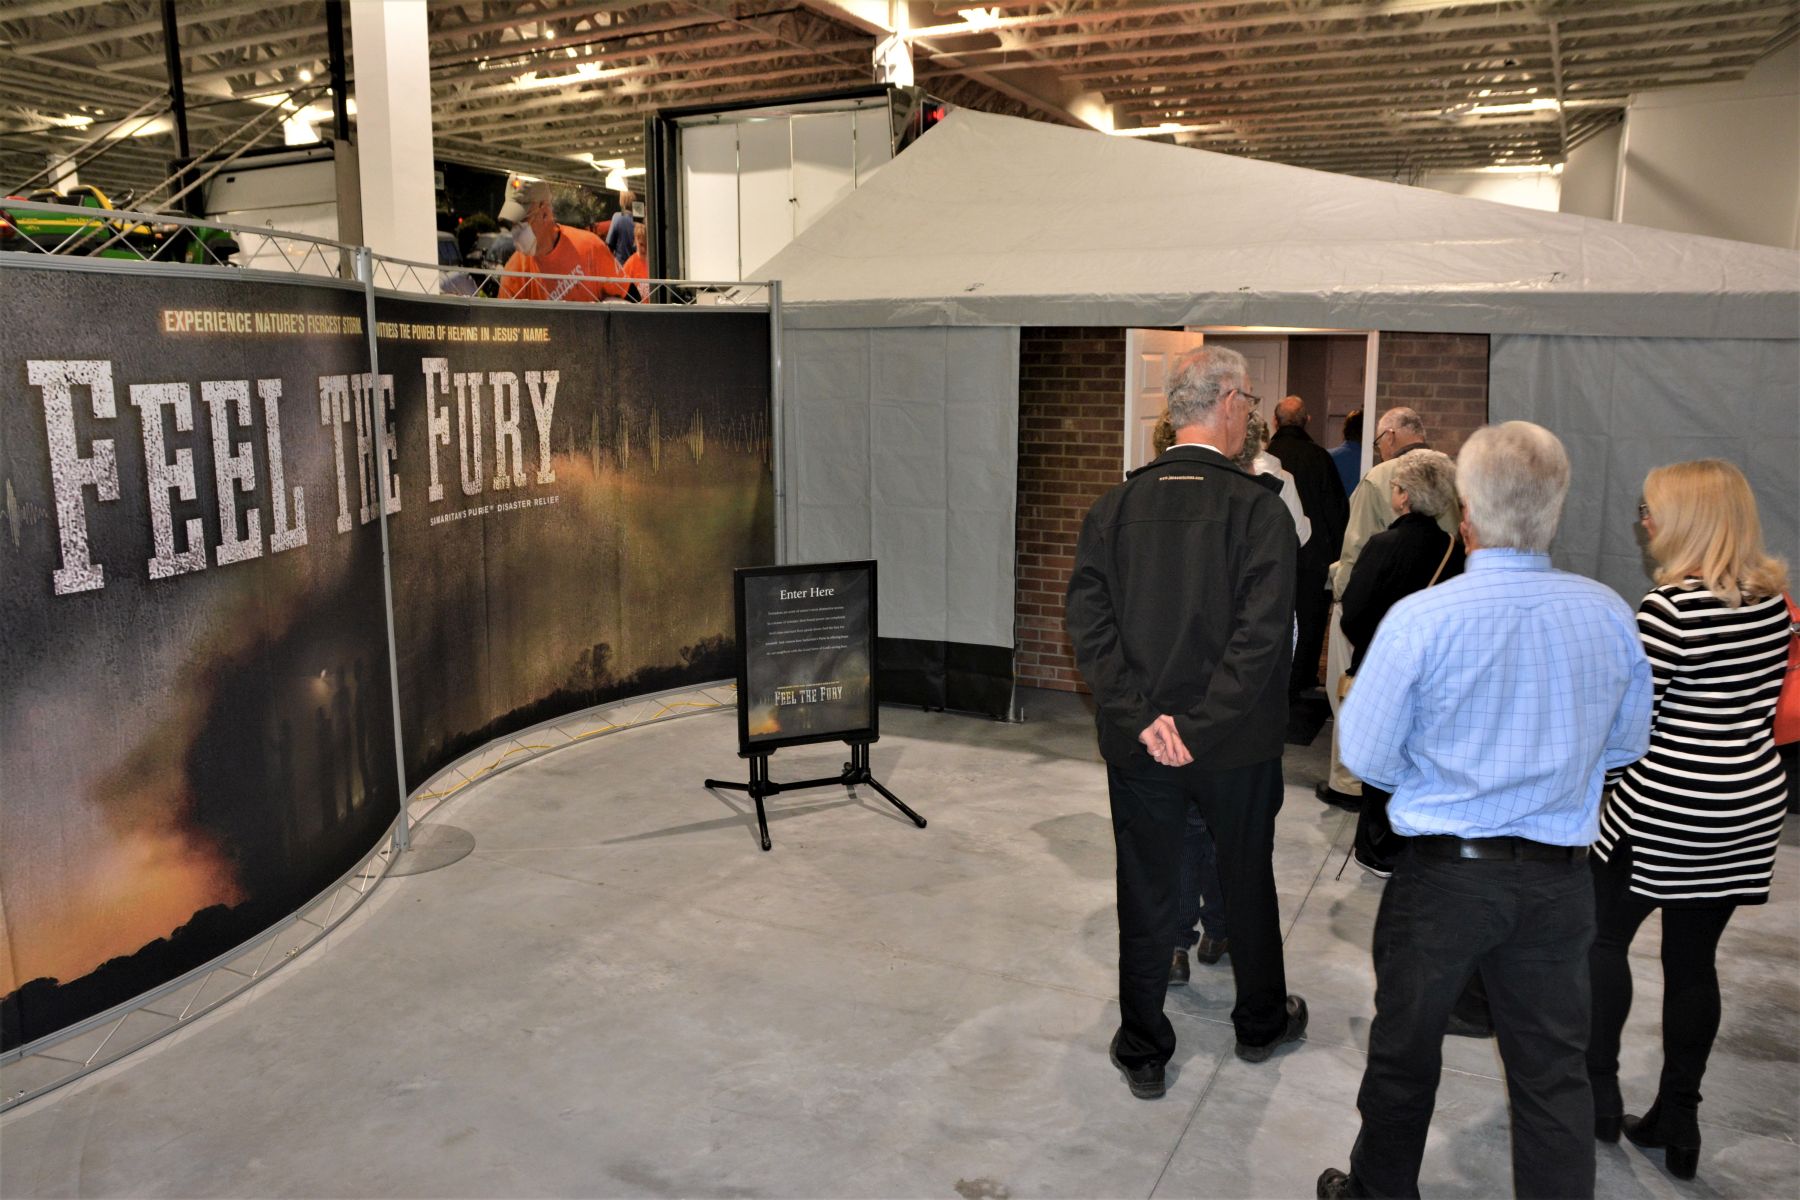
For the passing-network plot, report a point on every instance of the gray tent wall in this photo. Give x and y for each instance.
(1625, 405)
(1637, 346)
(902, 445)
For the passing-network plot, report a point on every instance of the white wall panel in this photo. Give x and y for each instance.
(1720, 159)
(874, 142)
(709, 188)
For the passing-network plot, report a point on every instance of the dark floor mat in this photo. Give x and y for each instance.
(1306, 716)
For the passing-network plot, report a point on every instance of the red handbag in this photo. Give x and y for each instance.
(1787, 708)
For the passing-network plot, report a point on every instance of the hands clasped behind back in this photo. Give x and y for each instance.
(1164, 742)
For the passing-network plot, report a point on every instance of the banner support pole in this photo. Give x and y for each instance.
(365, 272)
(776, 454)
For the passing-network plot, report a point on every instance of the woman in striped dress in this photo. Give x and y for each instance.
(1690, 828)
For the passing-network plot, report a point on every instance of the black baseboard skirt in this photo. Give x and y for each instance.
(948, 675)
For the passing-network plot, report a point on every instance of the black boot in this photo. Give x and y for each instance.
(1609, 1107)
(1676, 1130)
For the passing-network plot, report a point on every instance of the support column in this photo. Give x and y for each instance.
(393, 128)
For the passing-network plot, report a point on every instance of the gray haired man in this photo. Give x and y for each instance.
(1491, 706)
(1180, 609)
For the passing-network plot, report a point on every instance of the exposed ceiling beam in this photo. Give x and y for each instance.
(1030, 82)
(183, 16)
(1522, 29)
(655, 98)
(1619, 79)
(578, 90)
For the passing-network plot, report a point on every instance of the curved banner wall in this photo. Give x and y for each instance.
(578, 481)
(196, 714)
(196, 731)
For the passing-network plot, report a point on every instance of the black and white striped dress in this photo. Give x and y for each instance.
(1702, 811)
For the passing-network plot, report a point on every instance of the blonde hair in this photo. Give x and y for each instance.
(1256, 436)
(1706, 526)
(1162, 435)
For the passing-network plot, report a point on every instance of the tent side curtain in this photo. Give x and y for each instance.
(1625, 405)
(901, 445)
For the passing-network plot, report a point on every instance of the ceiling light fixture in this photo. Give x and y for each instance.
(1541, 104)
(1167, 127)
(586, 72)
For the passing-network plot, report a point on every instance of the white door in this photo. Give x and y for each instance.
(765, 193)
(824, 164)
(1149, 353)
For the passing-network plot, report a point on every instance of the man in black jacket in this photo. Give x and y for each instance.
(1180, 610)
(1323, 501)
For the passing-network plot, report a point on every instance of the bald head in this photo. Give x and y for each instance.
(1398, 428)
(1291, 411)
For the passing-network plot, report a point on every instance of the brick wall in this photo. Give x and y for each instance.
(1442, 376)
(1071, 449)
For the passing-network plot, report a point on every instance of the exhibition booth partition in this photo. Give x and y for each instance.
(278, 549)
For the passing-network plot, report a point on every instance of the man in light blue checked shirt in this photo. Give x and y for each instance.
(1491, 707)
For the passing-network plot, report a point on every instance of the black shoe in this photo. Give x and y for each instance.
(1334, 1183)
(1145, 1082)
(1344, 800)
(1675, 1131)
(1296, 1028)
(1178, 968)
(1210, 950)
(1461, 1026)
(1377, 869)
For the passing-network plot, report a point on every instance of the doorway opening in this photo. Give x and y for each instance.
(1332, 370)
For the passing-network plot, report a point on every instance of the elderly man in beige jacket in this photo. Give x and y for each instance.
(1371, 510)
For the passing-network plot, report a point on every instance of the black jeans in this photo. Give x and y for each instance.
(1312, 611)
(1527, 926)
(1690, 1016)
(1200, 901)
(1149, 811)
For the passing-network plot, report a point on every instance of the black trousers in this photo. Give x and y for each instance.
(1149, 811)
(1690, 1014)
(1527, 926)
(1312, 610)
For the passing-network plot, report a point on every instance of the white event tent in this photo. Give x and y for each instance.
(902, 305)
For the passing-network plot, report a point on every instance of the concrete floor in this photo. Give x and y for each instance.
(618, 994)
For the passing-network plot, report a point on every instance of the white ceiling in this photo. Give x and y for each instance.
(1379, 87)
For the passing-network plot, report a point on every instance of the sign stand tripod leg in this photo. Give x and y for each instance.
(758, 787)
(857, 771)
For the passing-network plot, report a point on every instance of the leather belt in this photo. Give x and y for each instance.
(1495, 848)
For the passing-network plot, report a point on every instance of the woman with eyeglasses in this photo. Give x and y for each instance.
(1692, 827)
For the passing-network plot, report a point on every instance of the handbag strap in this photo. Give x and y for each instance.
(1442, 562)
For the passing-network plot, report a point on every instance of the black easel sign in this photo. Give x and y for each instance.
(806, 655)
(806, 673)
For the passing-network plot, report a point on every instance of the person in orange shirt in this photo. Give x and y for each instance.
(638, 265)
(542, 245)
